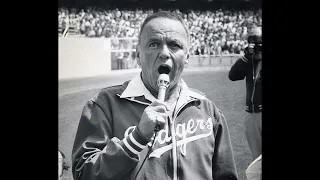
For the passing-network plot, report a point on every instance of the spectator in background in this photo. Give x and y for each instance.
(120, 56)
(64, 21)
(219, 49)
(91, 32)
(125, 60)
(237, 49)
(203, 51)
(133, 63)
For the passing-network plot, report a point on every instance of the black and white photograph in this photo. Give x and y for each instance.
(160, 90)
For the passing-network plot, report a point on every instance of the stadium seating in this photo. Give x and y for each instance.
(222, 31)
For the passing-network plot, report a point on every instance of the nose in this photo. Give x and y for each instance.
(165, 52)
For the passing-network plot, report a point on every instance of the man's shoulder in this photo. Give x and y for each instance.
(196, 93)
(202, 96)
(109, 92)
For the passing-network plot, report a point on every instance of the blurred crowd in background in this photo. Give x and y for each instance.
(212, 32)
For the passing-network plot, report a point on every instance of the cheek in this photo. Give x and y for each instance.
(147, 66)
(151, 53)
(180, 65)
(149, 58)
(180, 60)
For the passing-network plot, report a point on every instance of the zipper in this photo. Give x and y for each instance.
(174, 148)
(254, 84)
(174, 142)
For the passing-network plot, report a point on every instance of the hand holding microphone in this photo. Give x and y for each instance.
(154, 116)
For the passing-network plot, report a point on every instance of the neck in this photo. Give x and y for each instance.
(171, 91)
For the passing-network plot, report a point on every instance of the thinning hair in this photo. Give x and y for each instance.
(168, 15)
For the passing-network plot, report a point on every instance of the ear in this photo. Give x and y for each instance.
(187, 58)
(138, 56)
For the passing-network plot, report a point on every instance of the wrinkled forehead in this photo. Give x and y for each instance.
(164, 27)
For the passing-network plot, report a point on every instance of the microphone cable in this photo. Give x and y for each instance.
(148, 153)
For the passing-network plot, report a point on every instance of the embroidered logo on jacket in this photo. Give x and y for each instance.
(182, 130)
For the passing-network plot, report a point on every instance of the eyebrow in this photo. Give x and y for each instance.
(152, 39)
(156, 39)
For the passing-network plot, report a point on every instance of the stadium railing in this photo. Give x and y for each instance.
(63, 32)
(69, 30)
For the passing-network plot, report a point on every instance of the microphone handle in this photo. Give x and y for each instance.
(163, 83)
(162, 93)
(161, 96)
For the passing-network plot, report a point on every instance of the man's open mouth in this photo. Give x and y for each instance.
(164, 69)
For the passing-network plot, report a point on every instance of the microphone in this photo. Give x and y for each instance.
(163, 83)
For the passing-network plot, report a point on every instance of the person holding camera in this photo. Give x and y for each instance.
(249, 66)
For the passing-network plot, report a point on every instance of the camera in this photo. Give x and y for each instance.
(255, 45)
(254, 49)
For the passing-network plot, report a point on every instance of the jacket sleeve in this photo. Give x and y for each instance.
(240, 69)
(223, 167)
(96, 155)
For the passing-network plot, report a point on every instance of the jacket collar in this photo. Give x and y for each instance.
(136, 90)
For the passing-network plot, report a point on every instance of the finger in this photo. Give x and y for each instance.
(158, 103)
(156, 111)
(161, 116)
(161, 119)
(160, 123)
(160, 109)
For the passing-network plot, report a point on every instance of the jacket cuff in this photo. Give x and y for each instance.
(134, 143)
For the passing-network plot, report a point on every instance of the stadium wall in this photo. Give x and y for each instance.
(83, 57)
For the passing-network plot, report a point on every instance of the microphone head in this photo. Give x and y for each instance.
(163, 81)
